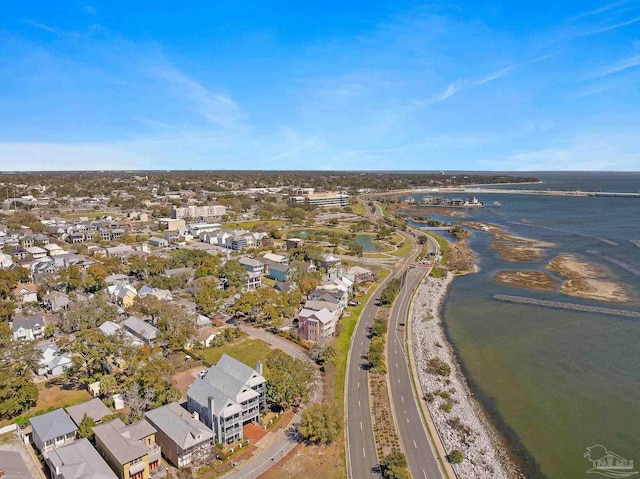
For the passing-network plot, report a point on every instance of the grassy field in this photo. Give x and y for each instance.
(249, 351)
(358, 208)
(251, 224)
(56, 396)
(444, 247)
(403, 251)
(292, 233)
(92, 215)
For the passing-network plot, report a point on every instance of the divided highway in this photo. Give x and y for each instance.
(362, 461)
(421, 456)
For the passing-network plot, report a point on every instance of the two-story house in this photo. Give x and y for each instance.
(51, 430)
(184, 440)
(77, 460)
(130, 451)
(28, 328)
(142, 330)
(25, 293)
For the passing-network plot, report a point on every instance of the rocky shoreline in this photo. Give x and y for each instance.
(461, 421)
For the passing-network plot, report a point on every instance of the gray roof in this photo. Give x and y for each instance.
(227, 384)
(141, 327)
(79, 460)
(178, 424)
(317, 305)
(279, 267)
(13, 465)
(94, 408)
(200, 391)
(52, 424)
(124, 442)
(27, 323)
(234, 368)
(250, 262)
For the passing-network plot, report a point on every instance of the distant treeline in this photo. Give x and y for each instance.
(89, 183)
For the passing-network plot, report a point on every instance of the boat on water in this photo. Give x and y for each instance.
(471, 202)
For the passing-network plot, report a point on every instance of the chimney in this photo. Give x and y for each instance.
(196, 416)
(259, 367)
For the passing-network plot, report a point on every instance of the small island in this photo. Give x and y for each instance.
(588, 280)
(538, 280)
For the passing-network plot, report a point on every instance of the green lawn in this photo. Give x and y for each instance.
(89, 214)
(342, 342)
(444, 247)
(358, 208)
(251, 224)
(292, 233)
(249, 351)
(56, 396)
(404, 250)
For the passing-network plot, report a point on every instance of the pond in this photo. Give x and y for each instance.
(367, 242)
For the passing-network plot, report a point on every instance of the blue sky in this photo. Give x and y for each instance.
(234, 84)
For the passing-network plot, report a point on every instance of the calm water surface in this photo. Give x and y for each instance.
(555, 381)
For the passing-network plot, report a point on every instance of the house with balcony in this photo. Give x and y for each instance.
(77, 460)
(252, 265)
(229, 395)
(51, 430)
(316, 326)
(28, 329)
(131, 451)
(183, 439)
(25, 293)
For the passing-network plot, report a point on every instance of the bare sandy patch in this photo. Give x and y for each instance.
(588, 280)
(538, 280)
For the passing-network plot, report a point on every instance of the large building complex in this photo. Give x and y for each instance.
(308, 197)
(210, 211)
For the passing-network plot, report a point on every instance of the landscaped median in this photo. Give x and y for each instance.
(341, 345)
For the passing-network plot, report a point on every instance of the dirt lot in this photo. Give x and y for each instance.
(310, 462)
(184, 379)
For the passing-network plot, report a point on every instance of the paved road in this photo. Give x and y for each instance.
(287, 440)
(416, 442)
(362, 461)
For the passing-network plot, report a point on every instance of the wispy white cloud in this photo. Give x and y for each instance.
(593, 152)
(451, 90)
(618, 67)
(494, 76)
(214, 106)
(606, 28)
(42, 26)
(597, 11)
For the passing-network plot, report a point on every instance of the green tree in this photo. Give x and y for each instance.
(355, 248)
(18, 393)
(85, 428)
(234, 274)
(455, 457)
(210, 266)
(7, 309)
(321, 423)
(209, 297)
(88, 314)
(289, 380)
(109, 385)
(9, 279)
(394, 466)
(390, 292)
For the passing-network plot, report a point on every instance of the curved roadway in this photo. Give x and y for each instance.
(362, 461)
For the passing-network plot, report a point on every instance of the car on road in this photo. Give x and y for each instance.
(378, 301)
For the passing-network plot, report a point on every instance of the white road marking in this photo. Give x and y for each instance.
(402, 397)
(425, 474)
(398, 379)
(364, 453)
(359, 403)
(361, 425)
(414, 444)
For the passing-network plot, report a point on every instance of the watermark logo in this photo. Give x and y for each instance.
(608, 463)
